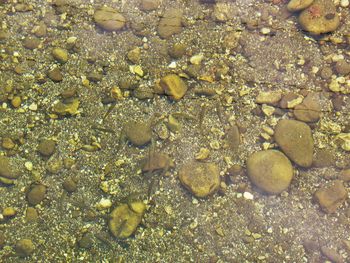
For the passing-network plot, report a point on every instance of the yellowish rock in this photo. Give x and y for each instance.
(173, 86)
(320, 17)
(125, 218)
(297, 5)
(60, 54)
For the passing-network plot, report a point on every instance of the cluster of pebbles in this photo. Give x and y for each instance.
(288, 145)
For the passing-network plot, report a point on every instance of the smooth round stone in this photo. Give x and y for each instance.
(201, 179)
(24, 247)
(109, 19)
(60, 54)
(36, 194)
(297, 5)
(320, 17)
(295, 140)
(170, 23)
(7, 170)
(138, 133)
(46, 147)
(270, 170)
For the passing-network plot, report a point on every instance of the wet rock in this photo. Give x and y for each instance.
(309, 110)
(170, 23)
(86, 241)
(268, 97)
(55, 75)
(201, 179)
(4, 35)
(31, 215)
(295, 140)
(177, 50)
(332, 254)
(47, 147)
(270, 170)
(134, 55)
(149, 5)
(342, 67)
(24, 247)
(345, 175)
(40, 30)
(36, 194)
(2, 240)
(331, 196)
(109, 19)
(94, 76)
(320, 17)
(70, 185)
(297, 5)
(173, 86)
(326, 72)
(143, 93)
(138, 133)
(31, 43)
(54, 165)
(8, 173)
(66, 109)
(157, 161)
(233, 138)
(60, 54)
(323, 158)
(125, 218)
(287, 100)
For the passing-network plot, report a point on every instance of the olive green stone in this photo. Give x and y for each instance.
(173, 86)
(138, 133)
(6, 169)
(270, 170)
(36, 194)
(46, 147)
(125, 218)
(24, 247)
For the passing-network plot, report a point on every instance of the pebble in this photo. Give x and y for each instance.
(125, 218)
(201, 179)
(233, 138)
(24, 247)
(7, 143)
(31, 215)
(138, 133)
(86, 241)
(54, 165)
(177, 50)
(268, 97)
(16, 101)
(109, 19)
(170, 23)
(270, 170)
(320, 17)
(60, 54)
(309, 110)
(331, 196)
(149, 5)
(173, 86)
(7, 170)
(31, 42)
(47, 147)
(332, 254)
(295, 140)
(55, 75)
(70, 184)
(342, 67)
(157, 161)
(9, 212)
(36, 194)
(297, 5)
(344, 3)
(345, 175)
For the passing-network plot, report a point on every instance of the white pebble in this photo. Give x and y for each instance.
(265, 31)
(28, 166)
(248, 196)
(344, 3)
(33, 107)
(104, 204)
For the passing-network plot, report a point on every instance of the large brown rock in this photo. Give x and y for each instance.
(270, 170)
(295, 140)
